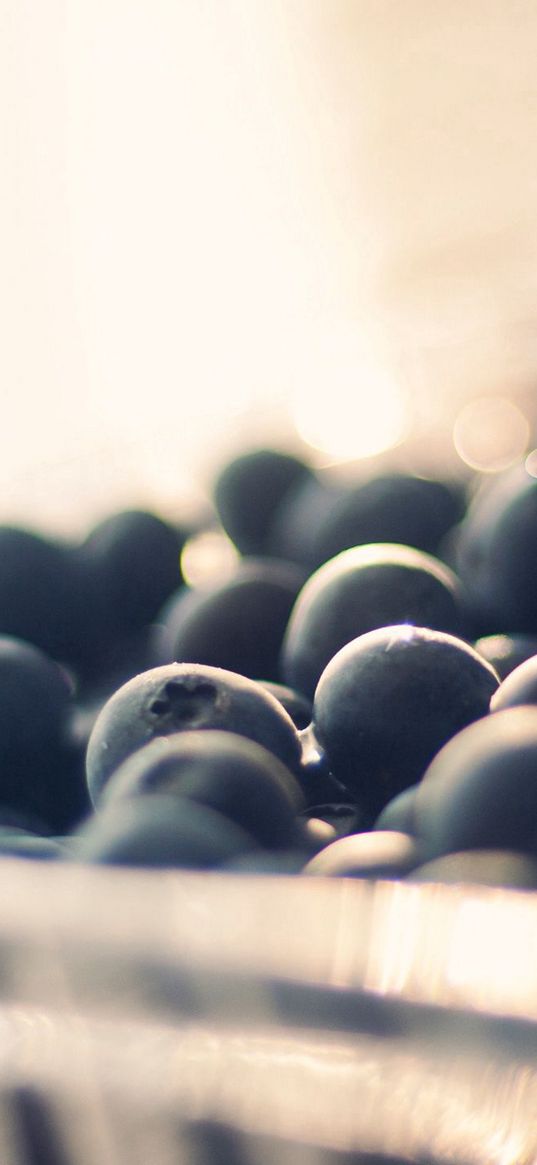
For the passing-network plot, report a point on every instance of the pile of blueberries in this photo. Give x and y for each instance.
(358, 697)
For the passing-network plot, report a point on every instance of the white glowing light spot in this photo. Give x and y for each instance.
(345, 401)
(530, 463)
(481, 952)
(491, 433)
(208, 558)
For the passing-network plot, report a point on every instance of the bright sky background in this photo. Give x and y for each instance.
(227, 217)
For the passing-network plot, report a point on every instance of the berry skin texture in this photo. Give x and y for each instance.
(181, 696)
(35, 704)
(31, 847)
(133, 557)
(238, 625)
(486, 867)
(398, 814)
(299, 708)
(518, 688)
(159, 831)
(222, 770)
(384, 854)
(389, 700)
(249, 491)
(480, 791)
(496, 553)
(39, 592)
(363, 588)
(389, 507)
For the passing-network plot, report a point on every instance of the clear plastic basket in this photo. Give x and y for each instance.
(202, 202)
(185, 1017)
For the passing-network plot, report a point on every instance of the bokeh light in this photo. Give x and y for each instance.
(345, 400)
(491, 433)
(208, 558)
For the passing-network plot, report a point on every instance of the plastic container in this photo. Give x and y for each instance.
(155, 1016)
(218, 216)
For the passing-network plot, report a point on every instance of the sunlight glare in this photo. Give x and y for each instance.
(490, 433)
(208, 559)
(345, 400)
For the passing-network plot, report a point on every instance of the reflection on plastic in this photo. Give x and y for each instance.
(109, 1087)
(308, 1018)
(491, 433)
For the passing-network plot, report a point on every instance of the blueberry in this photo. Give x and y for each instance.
(480, 791)
(182, 696)
(266, 862)
(389, 700)
(68, 799)
(160, 831)
(361, 589)
(29, 845)
(298, 707)
(480, 867)
(519, 687)
(15, 821)
(114, 659)
(82, 717)
(238, 625)
(390, 507)
(305, 510)
(248, 492)
(497, 553)
(40, 599)
(229, 773)
(35, 704)
(366, 855)
(133, 559)
(342, 818)
(316, 834)
(399, 812)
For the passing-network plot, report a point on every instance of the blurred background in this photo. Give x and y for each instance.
(239, 221)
